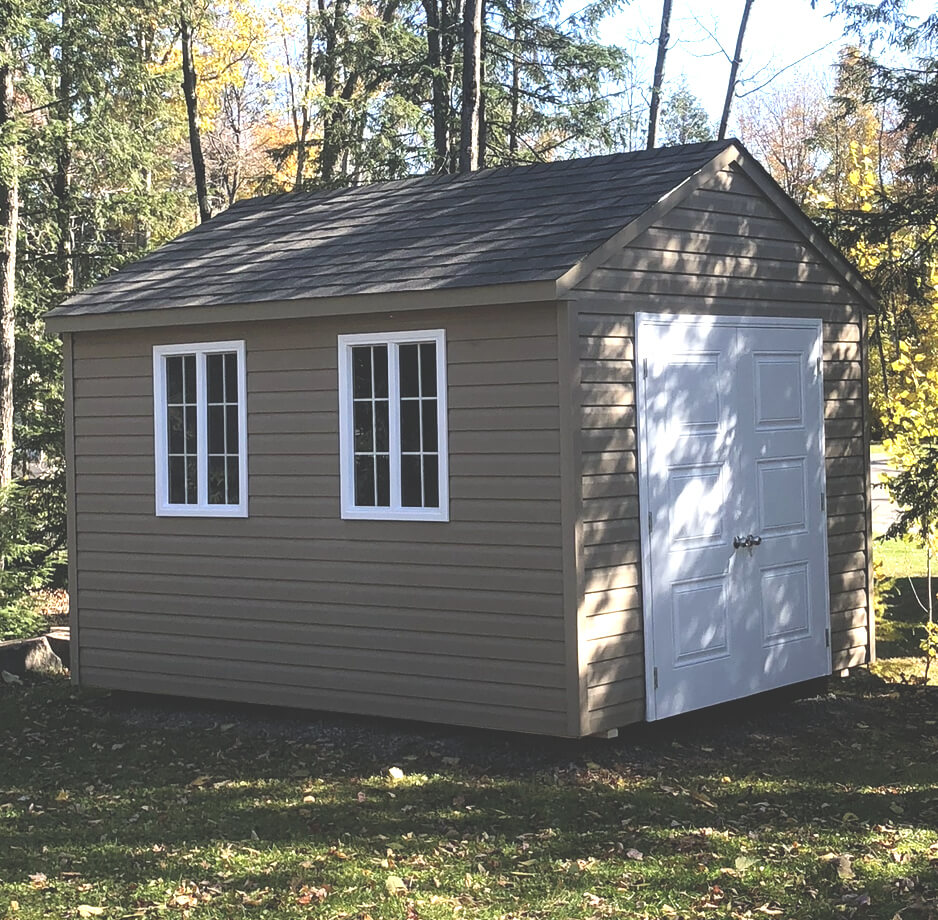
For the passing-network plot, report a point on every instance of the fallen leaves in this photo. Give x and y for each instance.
(310, 894)
(842, 863)
(89, 910)
(395, 886)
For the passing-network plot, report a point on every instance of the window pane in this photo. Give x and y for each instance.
(431, 482)
(381, 371)
(364, 433)
(231, 377)
(177, 480)
(364, 481)
(189, 381)
(361, 372)
(174, 429)
(234, 483)
(430, 440)
(411, 491)
(216, 429)
(410, 425)
(382, 434)
(214, 369)
(428, 369)
(192, 482)
(216, 480)
(383, 470)
(231, 429)
(191, 430)
(174, 379)
(410, 379)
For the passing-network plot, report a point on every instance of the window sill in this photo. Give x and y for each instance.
(203, 511)
(415, 514)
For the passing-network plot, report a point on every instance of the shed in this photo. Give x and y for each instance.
(551, 448)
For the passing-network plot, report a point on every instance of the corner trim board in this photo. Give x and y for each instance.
(568, 368)
(71, 519)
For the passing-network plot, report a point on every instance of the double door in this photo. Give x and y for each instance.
(731, 433)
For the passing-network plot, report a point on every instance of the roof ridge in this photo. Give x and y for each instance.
(473, 176)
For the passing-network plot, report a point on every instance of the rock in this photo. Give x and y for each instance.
(59, 642)
(22, 656)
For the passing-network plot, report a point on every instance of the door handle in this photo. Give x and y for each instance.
(747, 542)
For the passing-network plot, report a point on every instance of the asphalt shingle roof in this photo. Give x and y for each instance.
(497, 226)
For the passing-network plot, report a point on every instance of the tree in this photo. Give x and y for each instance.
(471, 127)
(785, 128)
(684, 120)
(550, 84)
(658, 80)
(9, 225)
(734, 70)
(190, 92)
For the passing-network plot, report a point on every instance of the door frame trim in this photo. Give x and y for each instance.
(689, 319)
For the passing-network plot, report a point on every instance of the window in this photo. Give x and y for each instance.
(200, 423)
(392, 426)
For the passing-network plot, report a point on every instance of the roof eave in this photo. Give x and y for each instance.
(346, 304)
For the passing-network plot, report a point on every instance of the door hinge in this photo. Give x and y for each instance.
(655, 676)
(827, 638)
(645, 368)
(651, 526)
(823, 502)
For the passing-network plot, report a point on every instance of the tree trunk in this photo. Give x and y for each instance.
(189, 80)
(65, 245)
(483, 124)
(471, 122)
(436, 16)
(734, 71)
(663, 37)
(9, 217)
(302, 125)
(515, 89)
(333, 115)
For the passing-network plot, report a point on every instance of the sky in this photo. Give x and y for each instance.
(780, 33)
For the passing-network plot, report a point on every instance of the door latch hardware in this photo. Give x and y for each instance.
(747, 542)
(827, 638)
(656, 678)
(645, 368)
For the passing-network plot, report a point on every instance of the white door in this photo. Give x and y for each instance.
(732, 492)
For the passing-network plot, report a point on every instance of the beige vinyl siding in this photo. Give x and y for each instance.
(458, 622)
(724, 250)
(611, 605)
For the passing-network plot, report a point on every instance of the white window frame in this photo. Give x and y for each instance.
(395, 511)
(202, 508)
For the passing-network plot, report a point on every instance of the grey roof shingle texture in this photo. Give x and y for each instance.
(497, 226)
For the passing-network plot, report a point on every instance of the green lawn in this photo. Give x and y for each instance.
(900, 630)
(818, 808)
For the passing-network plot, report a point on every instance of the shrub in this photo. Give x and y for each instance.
(29, 553)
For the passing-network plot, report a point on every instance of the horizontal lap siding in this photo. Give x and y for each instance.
(611, 617)
(724, 250)
(847, 498)
(456, 622)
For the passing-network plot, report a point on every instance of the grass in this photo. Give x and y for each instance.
(900, 629)
(810, 809)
